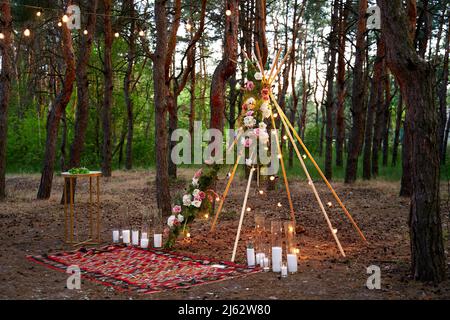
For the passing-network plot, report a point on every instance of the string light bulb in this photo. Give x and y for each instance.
(249, 209)
(304, 156)
(218, 199)
(272, 178)
(329, 204)
(279, 205)
(116, 34)
(285, 138)
(206, 216)
(27, 33)
(142, 33)
(188, 26)
(65, 18)
(2, 36)
(39, 13)
(228, 12)
(85, 32)
(261, 192)
(60, 24)
(280, 156)
(275, 115)
(188, 235)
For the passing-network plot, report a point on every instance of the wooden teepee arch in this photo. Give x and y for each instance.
(294, 138)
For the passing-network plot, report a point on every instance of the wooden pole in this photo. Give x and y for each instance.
(311, 183)
(283, 116)
(244, 207)
(283, 169)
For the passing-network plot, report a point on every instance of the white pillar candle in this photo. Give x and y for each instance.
(157, 241)
(292, 262)
(126, 236)
(277, 254)
(144, 235)
(116, 236)
(284, 271)
(135, 237)
(144, 243)
(260, 259)
(251, 257)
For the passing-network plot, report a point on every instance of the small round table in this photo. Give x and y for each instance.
(69, 208)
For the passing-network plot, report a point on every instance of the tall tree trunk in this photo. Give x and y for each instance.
(226, 68)
(55, 113)
(127, 85)
(442, 93)
(416, 79)
(6, 74)
(330, 92)
(358, 97)
(387, 118)
(108, 91)
(260, 30)
(398, 126)
(341, 86)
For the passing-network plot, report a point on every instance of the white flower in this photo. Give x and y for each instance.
(197, 203)
(251, 101)
(195, 182)
(171, 221)
(249, 162)
(187, 200)
(249, 121)
(258, 76)
(266, 110)
(262, 126)
(180, 218)
(196, 192)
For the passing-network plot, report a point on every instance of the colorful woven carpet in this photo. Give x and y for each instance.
(143, 271)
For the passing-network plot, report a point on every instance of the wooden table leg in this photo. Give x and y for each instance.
(91, 214)
(71, 224)
(65, 212)
(98, 209)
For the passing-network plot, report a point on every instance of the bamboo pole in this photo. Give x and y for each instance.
(244, 207)
(311, 183)
(225, 194)
(283, 169)
(283, 116)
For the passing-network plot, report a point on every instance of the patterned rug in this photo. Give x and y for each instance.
(143, 271)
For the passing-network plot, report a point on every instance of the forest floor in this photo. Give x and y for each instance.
(30, 227)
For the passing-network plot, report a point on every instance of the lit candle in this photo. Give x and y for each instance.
(292, 262)
(157, 240)
(126, 236)
(144, 243)
(251, 257)
(277, 253)
(284, 271)
(116, 236)
(135, 237)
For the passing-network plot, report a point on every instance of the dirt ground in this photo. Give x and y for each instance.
(28, 226)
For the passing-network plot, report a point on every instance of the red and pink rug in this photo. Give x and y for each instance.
(143, 271)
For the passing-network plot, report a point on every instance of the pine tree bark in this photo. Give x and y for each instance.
(108, 91)
(398, 126)
(226, 68)
(416, 79)
(358, 97)
(55, 114)
(6, 75)
(442, 93)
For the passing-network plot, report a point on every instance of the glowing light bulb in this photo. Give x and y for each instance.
(272, 178)
(60, 24)
(261, 192)
(206, 216)
(304, 156)
(249, 209)
(310, 183)
(335, 231)
(285, 138)
(291, 229)
(329, 204)
(279, 205)
(142, 33)
(2, 36)
(297, 251)
(275, 115)
(280, 156)
(65, 18)
(27, 32)
(116, 34)
(218, 199)
(38, 14)
(188, 235)
(228, 12)
(188, 26)
(85, 32)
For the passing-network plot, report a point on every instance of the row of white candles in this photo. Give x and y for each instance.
(261, 260)
(132, 237)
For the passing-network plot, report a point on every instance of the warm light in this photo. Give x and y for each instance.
(297, 251)
(280, 156)
(39, 13)
(310, 183)
(330, 204)
(279, 205)
(218, 199)
(266, 148)
(291, 229)
(261, 192)
(206, 216)
(249, 209)
(2, 36)
(86, 32)
(142, 33)
(275, 115)
(188, 235)
(27, 32)
(65, 18)
(272, 178)
(60, 24)
(335, 231)
(188, 26)
(304, 156)
(116, 34)
(285, 138)
(228, 12)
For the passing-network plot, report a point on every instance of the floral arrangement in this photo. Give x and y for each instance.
(197, 200)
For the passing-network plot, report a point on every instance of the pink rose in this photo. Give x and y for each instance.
(257, 132)
(249, 86)
(202, 195)
(248, 142)
(176, 209)
(265, 92)
(250, 113)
